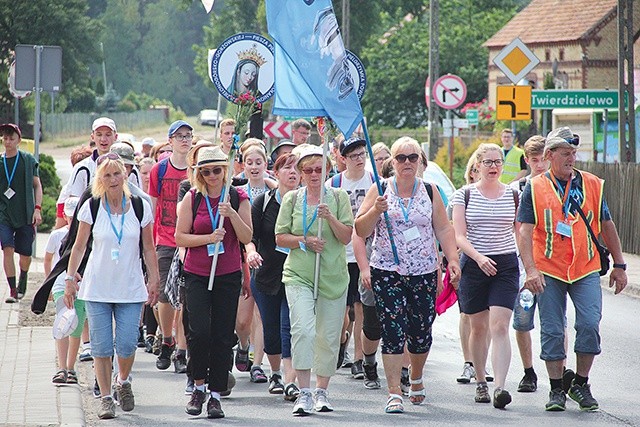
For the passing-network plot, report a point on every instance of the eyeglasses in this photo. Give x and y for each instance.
(309, 171)
(111, 156)
(573, 141)
(401, 158)
(356, 156)
(474, 170)
(207, 172)
(182, 137)
(488, 163)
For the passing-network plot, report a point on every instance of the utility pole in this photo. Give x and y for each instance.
(434, 71)
(346, 19)
(626, 116)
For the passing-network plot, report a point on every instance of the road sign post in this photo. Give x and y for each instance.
(449, 92)
(515, 60)
(513, 103)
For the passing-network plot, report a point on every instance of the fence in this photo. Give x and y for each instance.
(76, 124)
(622, 191)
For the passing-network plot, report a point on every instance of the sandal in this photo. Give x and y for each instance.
(257, 375)
(60, 377)
(72, 377)
(394, 404)
(243, 364)
(291, 392)
(417, 396)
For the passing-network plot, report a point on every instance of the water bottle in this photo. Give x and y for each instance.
(526, 299)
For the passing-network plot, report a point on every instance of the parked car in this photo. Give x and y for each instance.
(209, 118)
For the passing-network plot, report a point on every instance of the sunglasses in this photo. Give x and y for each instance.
(309, 171)
(573, 141)
(207, 172)
(111, 156)
(401, 158)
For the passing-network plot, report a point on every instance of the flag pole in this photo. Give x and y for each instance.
(316, 273)
(227, 187)
(387, 220)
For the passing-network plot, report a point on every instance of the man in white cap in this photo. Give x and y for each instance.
(147, 145)
(560, 257)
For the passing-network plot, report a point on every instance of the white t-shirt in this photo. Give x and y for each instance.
(356, 191)
(106, 279)
(81, 177)
(53, 247)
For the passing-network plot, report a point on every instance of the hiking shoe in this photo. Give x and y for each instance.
(371, 379)
(557, 400)
(85, 356)
(528, 384)
(291, 392)
(257, 375)
(148, 343)
(194, 407)
(13, 296)
(468, 372)
(582, 395)
(214, 409)
(567, 378)
(191, 385)
(275, 384)
(125, 396)
(321, 399)
(141, 342)
(96, 389)
(357, 372)
(180, 363)
(482, 393)
(107, 408)
(342, 351)
(501, 398)
(405, 381)
(304, 404)
(164, 359)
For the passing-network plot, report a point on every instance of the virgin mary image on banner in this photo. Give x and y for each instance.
(245, 76)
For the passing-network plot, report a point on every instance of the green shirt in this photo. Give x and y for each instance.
(300, 265)
(18, 211)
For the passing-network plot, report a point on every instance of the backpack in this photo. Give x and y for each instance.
(427, 186)
(41, 297)
(162, 171)
(336, 180)
(467, 195)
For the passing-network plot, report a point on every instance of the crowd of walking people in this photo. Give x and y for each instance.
(211, 260)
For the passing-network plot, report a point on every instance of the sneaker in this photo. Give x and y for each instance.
(180, 363)
(291, 392)
(125, 396)
(214, 409)
(304, 404)
(194, 407)
(13, 296)
(582, 395)
(148, 343)
(468, 372)
(405, 381)
(20, 295)
(501, 398)
(275, 384)
(141, 341)
(348, 360)
(482, 393)
(164, 359)
(257, 375)
(528, 384)
(371, 379)
(191, 385)
(107, 408)
(96, 389)
(557, 400)
(357, 372)
(567, 378)
(321, 399)
(85, 356)
(488, 376)
(342, 352)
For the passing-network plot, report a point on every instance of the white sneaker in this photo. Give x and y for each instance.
(322, 401)
(468, 372)
(304, 404)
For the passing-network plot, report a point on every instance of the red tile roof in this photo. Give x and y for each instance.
(549, 21)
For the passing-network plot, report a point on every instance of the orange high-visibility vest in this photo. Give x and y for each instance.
(564, 258)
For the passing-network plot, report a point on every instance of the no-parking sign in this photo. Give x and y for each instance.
(449, 91)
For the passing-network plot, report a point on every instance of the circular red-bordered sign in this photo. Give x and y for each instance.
(449, 91)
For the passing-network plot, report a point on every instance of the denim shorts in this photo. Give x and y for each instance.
(101, 330)
(21, 238)
(80, 312)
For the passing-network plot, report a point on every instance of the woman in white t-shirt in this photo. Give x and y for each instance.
(489, 284)
(113, 286)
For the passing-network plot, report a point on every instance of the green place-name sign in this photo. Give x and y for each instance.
(472, 116)
(550, 99)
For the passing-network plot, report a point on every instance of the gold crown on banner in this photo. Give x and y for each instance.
(253, 55)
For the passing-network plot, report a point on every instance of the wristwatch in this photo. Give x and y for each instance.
(622, 266)
(68, 278)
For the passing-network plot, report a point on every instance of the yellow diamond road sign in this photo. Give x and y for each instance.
(516, 60)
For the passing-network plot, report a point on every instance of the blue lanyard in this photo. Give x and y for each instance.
(216, 218)
(305, 228)
(113, 227)
(565, 195)
(6, 170)
(278, 196)
(405, 211)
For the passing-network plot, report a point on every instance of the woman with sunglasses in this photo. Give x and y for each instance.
(113, 286)
(212, 314)
(405, 290)
(315, 324)
(484, 224)
(267, 288)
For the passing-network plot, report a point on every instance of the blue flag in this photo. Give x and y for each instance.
(312, 75)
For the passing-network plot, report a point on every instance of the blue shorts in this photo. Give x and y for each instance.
(101, 316)
(21, 238)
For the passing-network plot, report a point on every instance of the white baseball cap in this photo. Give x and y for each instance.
(66, 320)
(104, 121)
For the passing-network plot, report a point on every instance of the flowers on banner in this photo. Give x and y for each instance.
(246, 105)
(325, 124)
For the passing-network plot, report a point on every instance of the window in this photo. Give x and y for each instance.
(561, 55)
(547, 55)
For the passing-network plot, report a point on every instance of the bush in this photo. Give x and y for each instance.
(48, 213)
(51, 188)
